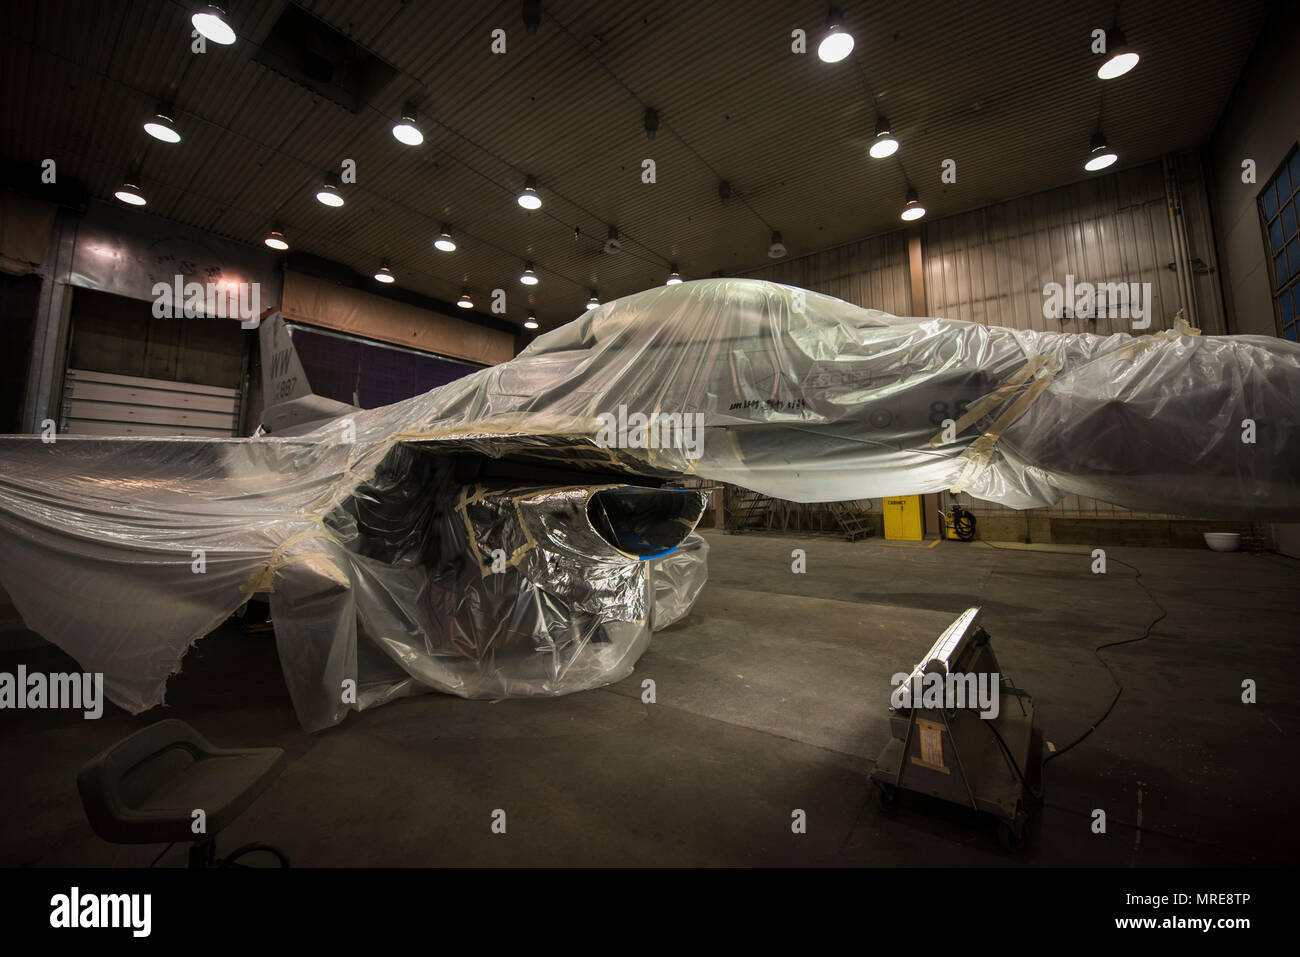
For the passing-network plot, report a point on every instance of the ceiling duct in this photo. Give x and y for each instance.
(329, 63)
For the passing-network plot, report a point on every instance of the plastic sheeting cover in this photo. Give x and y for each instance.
(125, 551)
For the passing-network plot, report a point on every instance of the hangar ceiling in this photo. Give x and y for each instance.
(1010, 95)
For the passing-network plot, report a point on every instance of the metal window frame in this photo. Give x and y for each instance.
(1293, 283)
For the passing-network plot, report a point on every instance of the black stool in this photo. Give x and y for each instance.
(145, 789)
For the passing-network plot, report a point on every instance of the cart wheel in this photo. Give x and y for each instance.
(1012, 835)
(888, 795)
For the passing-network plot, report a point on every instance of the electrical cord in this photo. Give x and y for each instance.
(1119, 687)
(162, 852)
(1010, 757)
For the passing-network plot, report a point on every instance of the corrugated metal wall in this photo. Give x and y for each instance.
(991, 265)
(871, 273)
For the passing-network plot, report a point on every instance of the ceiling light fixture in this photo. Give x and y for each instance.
(445, 242)
(912, 208)
(465, 302)
(406, 131)
(162, 125)
(530, 322)
(673, 276)
(329, 191)
(210, 20)
(385, 274)
(1121, 57)
(593, 302)
(838, 43)
(777, 249)
(529, 199)
(275, 238)
(884, 144)
(1099, 154)
(529, 277)
(129, 192)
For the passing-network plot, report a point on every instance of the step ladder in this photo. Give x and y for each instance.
(745, 510)
(852, 519)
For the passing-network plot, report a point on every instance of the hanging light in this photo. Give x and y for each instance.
(529, 278)
(445, 242)
(1099, 154)
(593, 302)
(162, 126)
(912, 209)
(1122, 57)
(529, 199)
(884, 144)
(406, 131)
(530, 322)
(777, 249)
(329, 191)
(838, 43)
(210, 20)
(673, 276)
(465, 302)
(385, 274)
(129, 193)
(275, 238)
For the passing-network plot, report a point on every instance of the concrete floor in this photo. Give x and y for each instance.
(771, 697)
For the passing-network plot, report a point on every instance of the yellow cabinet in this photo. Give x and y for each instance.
(903, 518)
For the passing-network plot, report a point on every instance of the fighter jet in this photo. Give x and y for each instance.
(521, 531)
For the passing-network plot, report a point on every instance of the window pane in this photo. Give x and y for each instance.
(1290, 333)
(1275, 234)
(1293, 253)
(1295, 169)
(1280, 267)
(1288, 313)
(1283, 185)
(1270, 202)
(1288, 220)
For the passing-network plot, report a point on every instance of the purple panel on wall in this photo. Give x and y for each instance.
(340, 368)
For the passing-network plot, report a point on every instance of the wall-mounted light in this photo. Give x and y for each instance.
(884, 143)
(405, 131)
(328, 193)
(838, 42)
(275, 238)
(529, 277)
(530, 322)
(1100, 154)
(162, 125)
(1121, 57)
(385, 274)
(210, 20)
(465, 302)
(912, 208)
(444, 242)
(529, 199)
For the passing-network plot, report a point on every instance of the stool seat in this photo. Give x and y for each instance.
(146, 787)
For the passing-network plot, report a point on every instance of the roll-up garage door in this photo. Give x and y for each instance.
(131, 373)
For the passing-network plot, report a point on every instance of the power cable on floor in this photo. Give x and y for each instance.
(1119, 687)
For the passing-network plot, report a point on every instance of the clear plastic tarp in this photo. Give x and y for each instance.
(376, 536)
